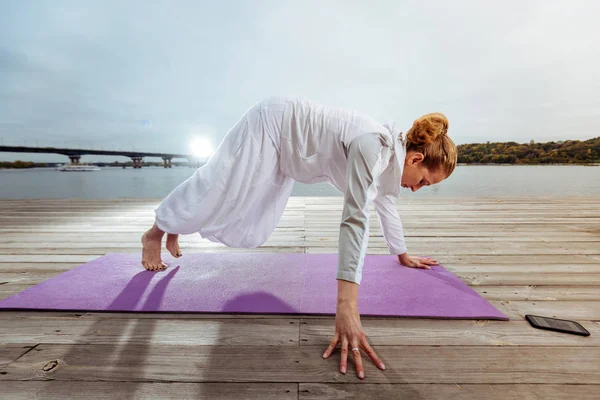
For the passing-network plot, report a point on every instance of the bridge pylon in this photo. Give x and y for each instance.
(137, 162)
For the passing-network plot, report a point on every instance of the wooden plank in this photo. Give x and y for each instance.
(404, 364)
(127, 247)
(491, 203)
(417, 204)
(475, 238)
(430, 332)
(433, 250)
(131, 238)
(315, 219)
(367, 391)
(491, 255)
(317, 215)
(541, 223)
(83, 258)
(12, 315)
(26, 278)
(527, 268)
(539, 293)
(517, 259)
(312, 234)
(148, 391)
(515, 279)
(291, 239)
(7, 290)
(35, 267)
(11, 351)
(103, 220)
(411, 229)
(48, 258)
(582, 310)
(232, 332)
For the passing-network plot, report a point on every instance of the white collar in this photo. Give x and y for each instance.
(398, 139)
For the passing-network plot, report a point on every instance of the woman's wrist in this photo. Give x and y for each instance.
(404, 258)
(347, 293)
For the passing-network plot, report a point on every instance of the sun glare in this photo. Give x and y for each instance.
(201, 147)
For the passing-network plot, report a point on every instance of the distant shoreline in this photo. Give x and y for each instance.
(529, 165)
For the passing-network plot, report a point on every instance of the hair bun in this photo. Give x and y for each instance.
(427, 129)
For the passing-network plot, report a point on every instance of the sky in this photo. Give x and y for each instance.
(155, 76)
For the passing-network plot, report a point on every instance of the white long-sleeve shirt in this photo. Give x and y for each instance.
(361, 158)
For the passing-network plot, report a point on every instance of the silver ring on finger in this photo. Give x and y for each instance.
(355, 349)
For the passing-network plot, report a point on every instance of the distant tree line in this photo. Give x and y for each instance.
(19, 164)
(563, 152)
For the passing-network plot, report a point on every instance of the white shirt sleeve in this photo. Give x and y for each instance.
(365, 154)
(385, 204)
(390, 222)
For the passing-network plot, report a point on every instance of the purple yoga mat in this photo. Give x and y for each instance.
(254, 283)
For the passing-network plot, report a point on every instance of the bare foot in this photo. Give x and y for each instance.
(173, 245)
(151, 253)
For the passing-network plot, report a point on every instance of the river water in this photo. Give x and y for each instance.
(156, 183)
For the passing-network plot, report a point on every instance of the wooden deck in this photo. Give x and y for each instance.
(526, 256)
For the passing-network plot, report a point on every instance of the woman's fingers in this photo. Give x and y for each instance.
(420, 264)
(360, 371)
(424, 263)
(344, 360)
(332, 346)
(356, 355)
(371, 353)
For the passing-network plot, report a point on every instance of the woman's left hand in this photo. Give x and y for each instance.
(416, 262)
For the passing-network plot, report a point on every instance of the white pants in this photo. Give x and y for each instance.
(239, 195)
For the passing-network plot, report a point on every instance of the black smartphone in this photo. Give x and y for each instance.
(558, 325)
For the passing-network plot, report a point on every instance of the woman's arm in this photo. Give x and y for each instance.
(364, 155)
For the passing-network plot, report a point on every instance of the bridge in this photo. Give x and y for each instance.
(75, 154)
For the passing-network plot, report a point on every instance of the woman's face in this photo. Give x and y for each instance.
(416, 175)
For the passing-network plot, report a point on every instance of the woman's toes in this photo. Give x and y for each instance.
(175, 251)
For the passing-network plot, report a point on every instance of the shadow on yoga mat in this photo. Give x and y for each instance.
(254, 283)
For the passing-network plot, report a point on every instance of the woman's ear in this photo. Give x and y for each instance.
(415, 158)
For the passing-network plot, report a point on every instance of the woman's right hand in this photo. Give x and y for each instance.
(348, 332)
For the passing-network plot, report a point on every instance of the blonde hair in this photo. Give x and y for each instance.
(429, 136)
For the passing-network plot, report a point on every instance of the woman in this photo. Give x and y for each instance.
(239, 195)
